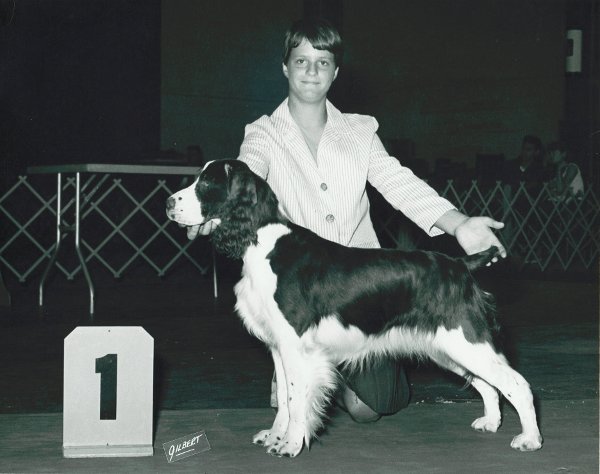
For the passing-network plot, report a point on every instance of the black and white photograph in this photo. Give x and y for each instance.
(299, 236)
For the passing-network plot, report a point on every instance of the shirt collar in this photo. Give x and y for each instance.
(336, 126)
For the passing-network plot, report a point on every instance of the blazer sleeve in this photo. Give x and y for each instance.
(254, 150)
(402, 189)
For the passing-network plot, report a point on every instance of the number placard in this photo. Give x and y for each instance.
(108, 392)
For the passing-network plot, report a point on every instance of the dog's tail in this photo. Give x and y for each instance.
(478, 260)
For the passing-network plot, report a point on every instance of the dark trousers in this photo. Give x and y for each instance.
(382, 386)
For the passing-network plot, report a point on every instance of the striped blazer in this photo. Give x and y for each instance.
(328, 196)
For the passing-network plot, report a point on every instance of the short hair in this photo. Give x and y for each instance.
(535, 141)
(320, 33)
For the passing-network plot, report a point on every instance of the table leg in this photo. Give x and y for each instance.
(77, 241)
(215, 283)
(58, 238)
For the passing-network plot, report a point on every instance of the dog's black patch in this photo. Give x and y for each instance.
(375, 289)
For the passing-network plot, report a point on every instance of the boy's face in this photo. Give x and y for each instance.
(529, 152)
(556, 156)
(310, 72)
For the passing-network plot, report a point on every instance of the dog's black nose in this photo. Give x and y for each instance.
(170, 203)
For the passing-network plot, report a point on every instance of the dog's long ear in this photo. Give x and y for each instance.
(241, 184)
(238, 223)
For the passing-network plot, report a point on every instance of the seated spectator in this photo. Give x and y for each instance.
(566, 182)
(528, 166)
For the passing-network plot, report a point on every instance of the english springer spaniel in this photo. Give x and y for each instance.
(318, 305)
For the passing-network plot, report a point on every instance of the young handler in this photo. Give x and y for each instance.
(318, 161)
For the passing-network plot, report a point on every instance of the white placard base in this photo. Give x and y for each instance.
(107, 451)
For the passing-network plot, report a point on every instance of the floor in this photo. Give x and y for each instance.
(210, 374)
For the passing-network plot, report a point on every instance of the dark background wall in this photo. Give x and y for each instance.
(221, 69)
(79, 81)
(119, 80)
(462, 77)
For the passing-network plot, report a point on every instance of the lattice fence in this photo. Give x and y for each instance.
(124, 225)
(544, 232)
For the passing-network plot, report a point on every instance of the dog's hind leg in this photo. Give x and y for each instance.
(279, 428)
(491, 419)
(482, 361)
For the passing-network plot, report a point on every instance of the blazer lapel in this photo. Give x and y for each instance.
(293, 138)
(335, 126)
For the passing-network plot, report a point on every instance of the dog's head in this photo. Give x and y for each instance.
(227, 193)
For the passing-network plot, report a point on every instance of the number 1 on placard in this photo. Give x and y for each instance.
(107, 368)
(101, 364)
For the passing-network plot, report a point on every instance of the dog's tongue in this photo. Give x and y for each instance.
(192, 232)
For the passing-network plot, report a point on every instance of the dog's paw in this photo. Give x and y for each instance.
(486, 424)
(286, 447)
(261, 437)
(527, 442)
(267, 437)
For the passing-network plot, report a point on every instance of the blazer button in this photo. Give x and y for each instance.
(323, 186)
(330, 218)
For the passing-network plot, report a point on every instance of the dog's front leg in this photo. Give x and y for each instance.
(280, 425)
(296, 392)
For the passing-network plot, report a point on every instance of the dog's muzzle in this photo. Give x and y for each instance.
(171, 208)
(183, 207)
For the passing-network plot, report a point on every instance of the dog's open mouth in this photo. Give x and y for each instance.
(181, 219)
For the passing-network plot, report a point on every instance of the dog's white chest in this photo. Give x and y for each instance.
(255, 291)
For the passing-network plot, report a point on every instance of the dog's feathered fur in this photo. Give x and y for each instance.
(318, 305)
